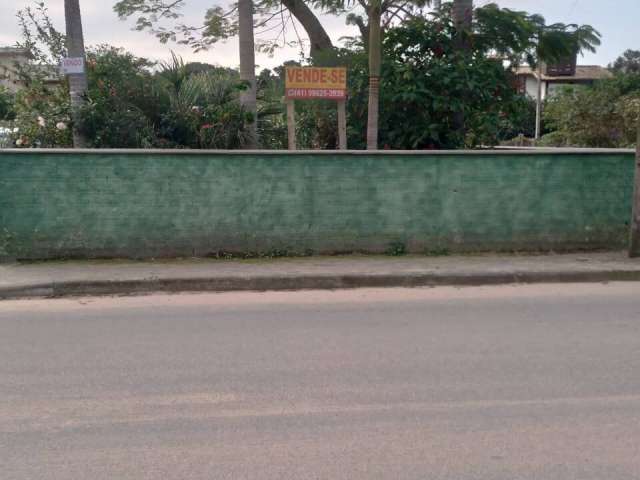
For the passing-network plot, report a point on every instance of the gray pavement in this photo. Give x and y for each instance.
(67, 278)
(492, 383)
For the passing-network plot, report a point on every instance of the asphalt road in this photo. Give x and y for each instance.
(528, 382)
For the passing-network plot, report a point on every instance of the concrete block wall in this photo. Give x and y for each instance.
(139, 204)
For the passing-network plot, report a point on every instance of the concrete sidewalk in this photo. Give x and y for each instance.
(119, 277)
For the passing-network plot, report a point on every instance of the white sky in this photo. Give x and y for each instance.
(101, 25)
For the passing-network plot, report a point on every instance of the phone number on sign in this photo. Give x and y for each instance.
(316, 93)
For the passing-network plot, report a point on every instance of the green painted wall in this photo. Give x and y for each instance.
(147, 204)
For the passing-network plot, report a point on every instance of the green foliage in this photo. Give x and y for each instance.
(160, 18)
(205, 112)
(603, 115)
(179, 106)
(521, 119)
(43, 116)
(628, 62)
(128, 103)
(45, 44)
(123, 102)
(272, 122)
(425, 81)
(41, 110)
(7, 100)
(517, 36)
(429, 80)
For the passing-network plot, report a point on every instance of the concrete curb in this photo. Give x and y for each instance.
(306, 282)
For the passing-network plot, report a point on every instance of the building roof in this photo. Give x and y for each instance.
(14, 51)
(583, 72)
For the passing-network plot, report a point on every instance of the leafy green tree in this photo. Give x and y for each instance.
(426, 80)
(431, 81)
(462, 17)
(379, 15)
(42, 109)
(628, 62)
(7, 100)
(220, 24)
(130, 104)
(44, 42)
(125, 102)
(552, 43)
(521, 121)
(603, 115)
(518, 36)
(162, 19)
(272, 122)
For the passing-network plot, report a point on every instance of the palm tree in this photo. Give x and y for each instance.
(375, 62)
(77, 81)
(248, 67)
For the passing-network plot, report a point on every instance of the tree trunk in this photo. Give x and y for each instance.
(634, 247)
(318, 36)
(248, 68)
(77, 81)
(375, 61)
(462, 16)
(539, 103)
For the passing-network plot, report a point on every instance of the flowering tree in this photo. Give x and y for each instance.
(42, 109)
(42, 117)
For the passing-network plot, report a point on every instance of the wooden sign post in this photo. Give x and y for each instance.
(311, 83)
(291, 124)
(342, 124)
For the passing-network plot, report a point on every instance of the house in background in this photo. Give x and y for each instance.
(557, 76)
(11, 58)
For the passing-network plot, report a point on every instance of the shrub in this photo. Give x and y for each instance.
(43, 116)
(7, 102)
(205, 112)
(603, 115)
(124, 100)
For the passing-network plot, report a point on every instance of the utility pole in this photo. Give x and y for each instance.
(77, 81)
(539, 102)
(634, 246)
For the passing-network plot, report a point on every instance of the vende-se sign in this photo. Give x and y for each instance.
(316, 82)
(72, 65)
